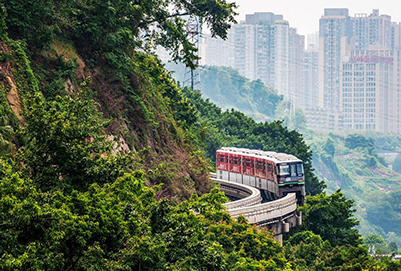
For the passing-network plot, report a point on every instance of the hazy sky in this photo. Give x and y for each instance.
(304, 15)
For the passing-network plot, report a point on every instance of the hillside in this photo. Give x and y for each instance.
(228, 89)
(103, 158)
(352, 164)
(360, 173)
(144, 106)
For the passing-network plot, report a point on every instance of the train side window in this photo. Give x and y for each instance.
(248, 163)
(222, 158)
(269, 168)
(235, 161)
(260, 165)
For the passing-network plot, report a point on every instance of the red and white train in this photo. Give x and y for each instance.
(276, 174)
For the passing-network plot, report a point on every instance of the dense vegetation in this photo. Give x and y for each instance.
(352, 163)
(228, 89)
(101, 166)
(233, 128)
(98, 48)
(76, 205)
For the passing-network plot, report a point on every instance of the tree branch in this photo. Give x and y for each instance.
(169, 16)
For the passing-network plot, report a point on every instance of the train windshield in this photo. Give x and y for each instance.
(290, 169)
(283, 170)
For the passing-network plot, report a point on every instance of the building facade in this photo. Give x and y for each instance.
(296, 68)
(311, 67)
(360, 70)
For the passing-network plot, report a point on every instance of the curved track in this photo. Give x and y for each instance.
(249, 205)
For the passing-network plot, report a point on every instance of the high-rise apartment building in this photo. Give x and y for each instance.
(359, 63)
(335, 30)
(280, 57)
(312, 40)
(296, 68)
(349, 78)
(311, 67)
(216, 51)
(369, 97)
(271, 53)
(261, 47)
(244, 40)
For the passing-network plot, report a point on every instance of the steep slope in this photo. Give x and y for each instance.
(226, 88)
(351, 163)
(145, 107)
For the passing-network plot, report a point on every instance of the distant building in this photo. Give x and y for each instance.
(359, 60)
(280, 58)
(261, 48)
(369, 75)
(296, 68)
(349, 75)
(335, 31)
(244, 41)
(311, 67)
(216, 51)
(369, 96)
(312, 40)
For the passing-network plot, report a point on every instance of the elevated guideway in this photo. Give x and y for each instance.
(279, 215)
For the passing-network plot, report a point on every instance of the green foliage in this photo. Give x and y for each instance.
(226, 88)
(112, 29)
(397, 163)
(33, 21)
(362, 175)
(3, 27)
(298, 122)
(5, 132)
(64, 144)
(329, 147)
(372, 162)
(68, 202)
(331, 217)
(376, 244)
(307, 251)
(121, 225)
(233, 128)
(354, 141)
(393, 247)
(384, 210)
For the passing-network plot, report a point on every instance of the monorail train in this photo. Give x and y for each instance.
(275, 174)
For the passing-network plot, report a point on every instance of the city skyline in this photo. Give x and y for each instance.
(350, 78)
(305, 15)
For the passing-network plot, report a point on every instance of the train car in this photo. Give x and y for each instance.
(275, 174)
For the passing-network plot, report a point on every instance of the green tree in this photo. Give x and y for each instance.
(65, 147)
(3, 27)
(307, 251)
(397, 163)
(359, 141)
(5, 133)
(298, 122)
(331, 217)
(383, 210)
(329, 147)
(376, 243)
(393, 247)
(69, 202)
(112, 29)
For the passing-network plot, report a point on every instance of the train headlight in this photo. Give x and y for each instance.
(300, 180)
